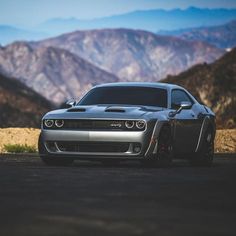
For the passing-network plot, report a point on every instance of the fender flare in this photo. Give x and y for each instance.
(154, 138)
(207, 122)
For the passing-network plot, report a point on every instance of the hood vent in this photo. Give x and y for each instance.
(76, 109)
(114, 109)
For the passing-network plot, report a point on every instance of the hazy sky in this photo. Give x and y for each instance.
(32, 12)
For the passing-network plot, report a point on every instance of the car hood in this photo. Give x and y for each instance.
(106, 112)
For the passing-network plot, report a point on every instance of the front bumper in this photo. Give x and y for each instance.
(129, 145)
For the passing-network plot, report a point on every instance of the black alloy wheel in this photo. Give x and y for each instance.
(206, 154)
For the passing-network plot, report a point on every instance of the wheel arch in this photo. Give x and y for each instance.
(160, 124)
(208, 123)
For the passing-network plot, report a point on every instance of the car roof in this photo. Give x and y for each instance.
(140, 84)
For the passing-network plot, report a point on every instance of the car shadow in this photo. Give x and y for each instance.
(220, 159)
(128, 164)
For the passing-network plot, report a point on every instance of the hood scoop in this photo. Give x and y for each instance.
(76, 109)
(115, 109)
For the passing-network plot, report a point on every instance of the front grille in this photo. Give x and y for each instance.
(94, 124)
(92, 147)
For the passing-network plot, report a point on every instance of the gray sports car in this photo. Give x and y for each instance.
(150, 122)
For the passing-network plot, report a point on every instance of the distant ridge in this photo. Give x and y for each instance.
(150, 20)
(9, 34)
(222, 36)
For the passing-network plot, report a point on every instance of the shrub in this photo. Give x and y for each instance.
(18, 148)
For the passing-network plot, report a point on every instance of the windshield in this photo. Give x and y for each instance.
(122, 95)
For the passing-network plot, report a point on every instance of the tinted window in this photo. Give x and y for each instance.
(179, 96)
(126, 96)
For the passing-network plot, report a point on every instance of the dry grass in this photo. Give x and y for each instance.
(225, 139)
(20, 136)
(19, 148)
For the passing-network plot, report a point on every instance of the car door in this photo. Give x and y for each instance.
(186, 124)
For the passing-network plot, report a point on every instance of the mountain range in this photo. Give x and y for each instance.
(19, 105)
(214, 85)
(54, 73)
(134, 55)
(222, 36)
(150, 20)
(69, 65)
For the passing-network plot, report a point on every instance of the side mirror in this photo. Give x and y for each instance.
(71, 103)
(183, 105)
(186, 105)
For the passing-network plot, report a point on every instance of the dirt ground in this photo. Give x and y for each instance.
(27, 136)
(225, 139)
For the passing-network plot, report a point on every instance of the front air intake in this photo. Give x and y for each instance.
(74, 109)
(114, 109)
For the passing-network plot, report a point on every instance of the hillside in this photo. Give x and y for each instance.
(215, 86)
(222, 36)
(54, 73)
(19, 105)
(134, 55)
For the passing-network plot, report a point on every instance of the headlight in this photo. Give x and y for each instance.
(59, 123)
(140, 124)
(48, 123)
(129, 124)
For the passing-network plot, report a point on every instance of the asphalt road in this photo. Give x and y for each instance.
(90, 199)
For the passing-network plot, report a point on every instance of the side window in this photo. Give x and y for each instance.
(178, 96)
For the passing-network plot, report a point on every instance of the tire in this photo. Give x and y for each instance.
(164, 155)
(206, 154)
(49, 159)
(165, 147)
